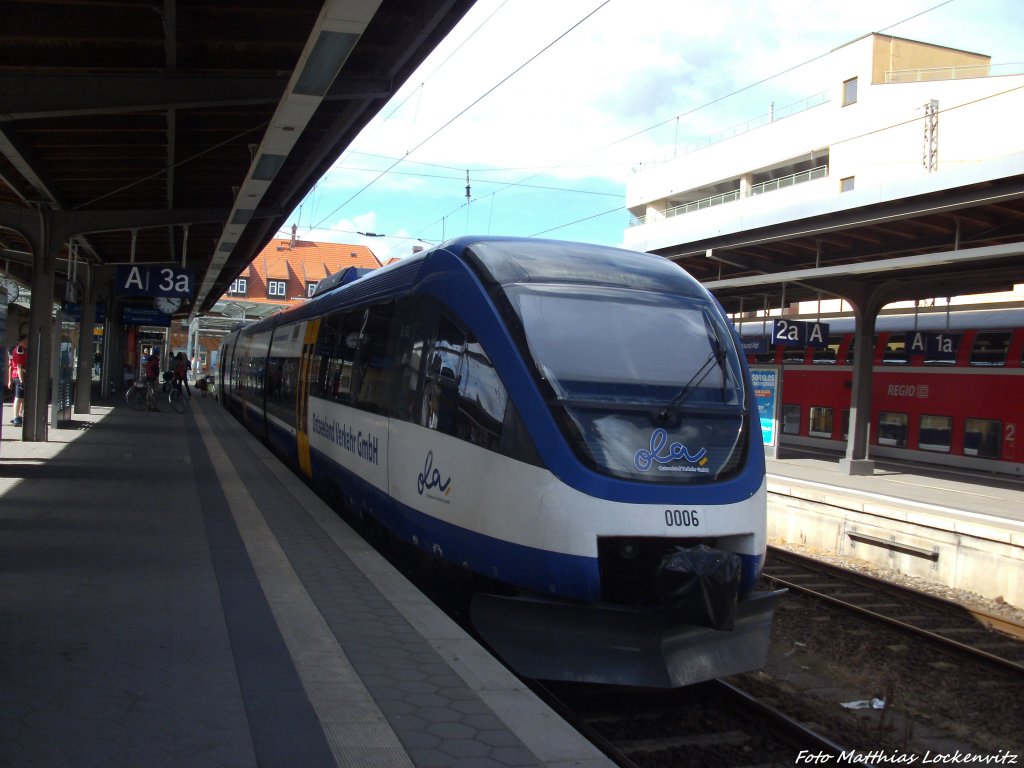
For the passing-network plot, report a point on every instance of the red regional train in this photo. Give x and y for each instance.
(947, 388)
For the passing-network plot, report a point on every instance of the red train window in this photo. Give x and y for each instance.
(935, 433)
(892, 429)
(990, 348)
(982, 438)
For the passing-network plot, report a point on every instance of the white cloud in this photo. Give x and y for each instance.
(607, 95)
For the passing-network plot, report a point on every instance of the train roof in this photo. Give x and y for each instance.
(503, 261)
(508, 260)
(936, 322)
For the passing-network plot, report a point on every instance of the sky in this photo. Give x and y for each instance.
(549, 105)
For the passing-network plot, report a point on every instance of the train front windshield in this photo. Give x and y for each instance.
(648, 386)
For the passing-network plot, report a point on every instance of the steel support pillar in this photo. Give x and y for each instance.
(86, 342)
(40, 328)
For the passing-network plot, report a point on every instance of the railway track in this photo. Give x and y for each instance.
(982, 635)
(711, 724)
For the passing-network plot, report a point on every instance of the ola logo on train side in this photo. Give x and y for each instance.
(431, 478)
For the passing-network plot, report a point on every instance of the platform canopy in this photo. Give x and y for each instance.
(170, 131)
(953, 241)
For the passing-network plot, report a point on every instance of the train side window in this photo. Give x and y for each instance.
(794, 354)
(482, 399)
(892, 429)
(845, 426)
(791, 419)
(896, 352)
(935, 433)
(282, 371)
(441, 389)
(830, 354)
(322, 376)
(339, 370)
(820, 424)
(942, 349)
(255, 367)
(373, 371)
(850, 350)
(982, 438)
(990, 348)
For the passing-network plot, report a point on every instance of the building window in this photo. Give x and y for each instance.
(846, 185)
(850, 92)
(277, 288)
(935, 434)
(238, 287)
(311, 289)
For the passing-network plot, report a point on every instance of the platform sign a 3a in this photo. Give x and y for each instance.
(153, 280)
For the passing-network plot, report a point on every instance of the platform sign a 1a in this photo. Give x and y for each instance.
(767, 381)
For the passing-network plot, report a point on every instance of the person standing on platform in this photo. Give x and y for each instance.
(152, 379)
(181, 372)
(16, 373)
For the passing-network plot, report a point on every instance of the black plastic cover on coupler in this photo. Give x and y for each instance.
(699, 586)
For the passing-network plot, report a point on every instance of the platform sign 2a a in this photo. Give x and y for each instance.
(799, 333)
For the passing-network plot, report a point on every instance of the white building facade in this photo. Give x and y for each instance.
(896, 118)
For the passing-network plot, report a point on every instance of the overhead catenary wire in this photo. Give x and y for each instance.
(522, 182)
(476, 101)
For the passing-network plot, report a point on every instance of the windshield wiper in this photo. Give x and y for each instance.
(671, 408)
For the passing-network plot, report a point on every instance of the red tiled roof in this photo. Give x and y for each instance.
(302, 261)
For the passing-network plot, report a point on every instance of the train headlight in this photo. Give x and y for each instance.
(628, 550)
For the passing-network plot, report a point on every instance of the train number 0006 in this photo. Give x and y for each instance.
(683, 518)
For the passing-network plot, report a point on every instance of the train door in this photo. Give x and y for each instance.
(307, 371)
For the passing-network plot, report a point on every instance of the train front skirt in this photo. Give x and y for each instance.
(553, 640)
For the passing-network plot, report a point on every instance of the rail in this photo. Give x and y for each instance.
(975, 624)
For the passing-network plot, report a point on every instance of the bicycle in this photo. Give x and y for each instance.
(140, 396)
(176, 396)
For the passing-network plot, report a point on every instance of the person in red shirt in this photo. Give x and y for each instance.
(181, 367)
(16, 373)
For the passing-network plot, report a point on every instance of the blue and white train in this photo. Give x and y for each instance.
(571, 423)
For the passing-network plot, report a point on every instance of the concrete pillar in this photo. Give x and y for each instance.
(746, 182)
(856, 461)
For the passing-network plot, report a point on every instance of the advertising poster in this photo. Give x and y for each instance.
(767, 384)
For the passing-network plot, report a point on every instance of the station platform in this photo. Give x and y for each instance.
(171, 595)
(955, 529)
(997, 499)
